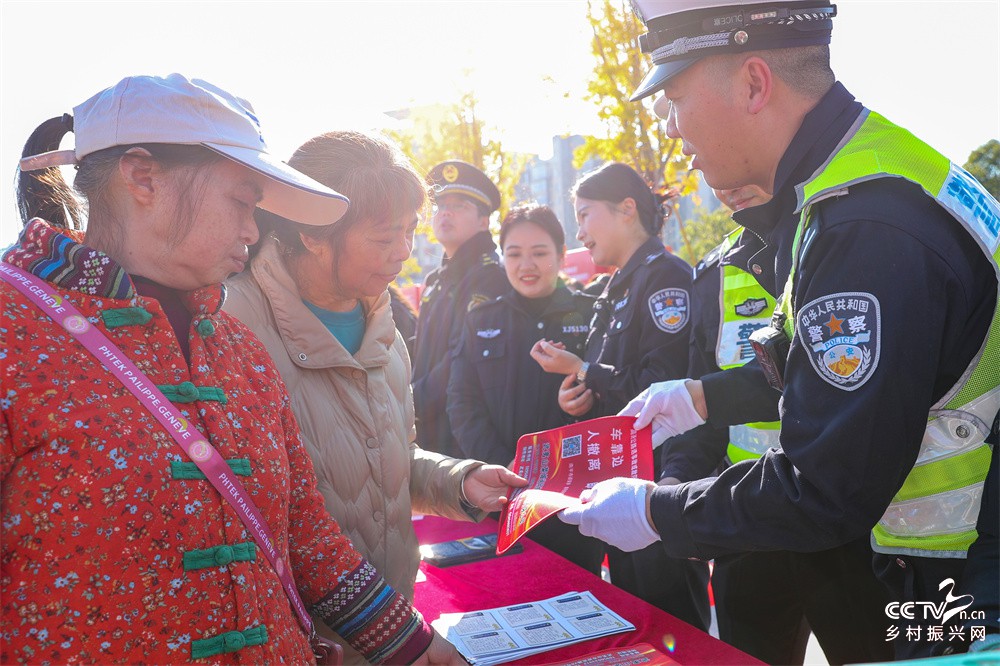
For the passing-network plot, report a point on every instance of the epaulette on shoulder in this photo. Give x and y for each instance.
(710, 260)
(489, 260)
(493, 302)
(478, 300)
(480, 309)
(653, 256)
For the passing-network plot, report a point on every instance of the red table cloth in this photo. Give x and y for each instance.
(538, 573)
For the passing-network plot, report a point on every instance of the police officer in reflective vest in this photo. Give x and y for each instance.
(767, 602)
(886, 340)
(470, 274)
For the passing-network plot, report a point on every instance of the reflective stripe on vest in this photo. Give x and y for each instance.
(751, 440)
(745, 306)
(934, 514)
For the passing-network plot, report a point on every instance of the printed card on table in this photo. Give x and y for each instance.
(509, 633)
(561, 463)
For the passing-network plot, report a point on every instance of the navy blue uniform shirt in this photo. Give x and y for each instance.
(497, 392)
(640, 332)
(472, 276)
(844, 453)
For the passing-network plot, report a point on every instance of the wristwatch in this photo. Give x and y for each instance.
(581, 374)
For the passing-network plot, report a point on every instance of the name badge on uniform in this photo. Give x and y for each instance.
(841, 336)
(669, 308)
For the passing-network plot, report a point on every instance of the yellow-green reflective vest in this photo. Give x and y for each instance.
(934, 513)
(745, 307)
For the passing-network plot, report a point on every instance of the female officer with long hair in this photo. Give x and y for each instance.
(639, 334)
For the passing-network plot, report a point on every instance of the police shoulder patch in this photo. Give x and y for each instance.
(841, 335)
(669, 309)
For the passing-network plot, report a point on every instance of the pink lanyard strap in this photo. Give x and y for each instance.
(204, 455)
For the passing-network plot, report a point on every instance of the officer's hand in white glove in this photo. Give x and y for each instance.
(614, 511)
(668, 406)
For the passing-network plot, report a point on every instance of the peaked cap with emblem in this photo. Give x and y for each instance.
(682, 31)
(458, 177)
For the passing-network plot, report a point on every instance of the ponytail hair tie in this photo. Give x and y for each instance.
(48, 135)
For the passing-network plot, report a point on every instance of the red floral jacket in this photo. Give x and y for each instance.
(114, 546)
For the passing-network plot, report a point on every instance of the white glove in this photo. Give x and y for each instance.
(668, 406)
(614, 511)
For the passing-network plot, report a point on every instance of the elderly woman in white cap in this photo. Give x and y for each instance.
(158, 504)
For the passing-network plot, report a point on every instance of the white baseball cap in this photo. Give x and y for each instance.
(178, 110)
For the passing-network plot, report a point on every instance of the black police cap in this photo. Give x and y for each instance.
(458, 177)
(682, 31)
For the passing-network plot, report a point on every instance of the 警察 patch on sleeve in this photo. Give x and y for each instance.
(670, 309)
(841, 335)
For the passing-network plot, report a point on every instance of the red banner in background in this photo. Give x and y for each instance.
(561, 463)
(579, 265)
(412, 293)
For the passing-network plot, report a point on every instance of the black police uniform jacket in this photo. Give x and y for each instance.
(844, 454)
(640, 330)
(697, 454)
(471, 277)
(497, 392)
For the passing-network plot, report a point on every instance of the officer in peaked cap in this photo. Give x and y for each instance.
(767, 602)
(882, 256)
(461, 178)
(470, 273)
(680, 32)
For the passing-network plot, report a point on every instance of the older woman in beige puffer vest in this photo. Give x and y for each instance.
(350, 383)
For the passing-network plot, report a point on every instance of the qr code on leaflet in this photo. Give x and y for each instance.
(572, 446)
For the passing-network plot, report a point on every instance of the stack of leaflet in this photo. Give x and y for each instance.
(500, 635)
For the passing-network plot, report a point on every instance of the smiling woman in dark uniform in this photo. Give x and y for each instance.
(496, 392)
(639, 332)
(639, 335)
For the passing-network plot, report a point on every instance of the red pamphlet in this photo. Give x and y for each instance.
(561, 463)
